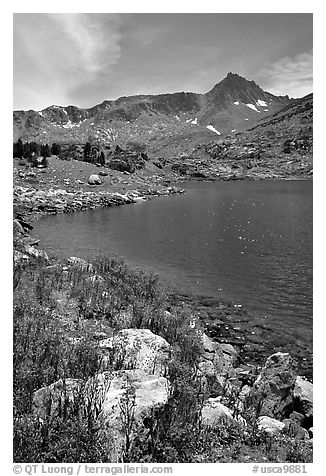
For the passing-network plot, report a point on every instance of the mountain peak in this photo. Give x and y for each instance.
(237, 88)
(236, 78)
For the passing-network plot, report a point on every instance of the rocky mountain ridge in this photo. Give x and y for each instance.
(232, 105)
(280, 146)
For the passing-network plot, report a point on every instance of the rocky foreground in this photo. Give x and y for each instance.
(127, 364)
(285, 400)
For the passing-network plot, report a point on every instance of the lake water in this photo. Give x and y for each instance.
(247, 241)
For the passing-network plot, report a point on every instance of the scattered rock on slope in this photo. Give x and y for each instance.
(94, 179)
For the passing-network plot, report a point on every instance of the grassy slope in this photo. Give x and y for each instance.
(65, 174)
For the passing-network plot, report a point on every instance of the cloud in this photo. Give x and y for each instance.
(54, 54)
(292, 76)
(144, 38)
(91, 39)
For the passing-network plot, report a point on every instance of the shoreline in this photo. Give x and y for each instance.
(62, 186)
(37, 203)
(230, 323)
(32, 203)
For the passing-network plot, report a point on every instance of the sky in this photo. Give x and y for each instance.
(85, 58)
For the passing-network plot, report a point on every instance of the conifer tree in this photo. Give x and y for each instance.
(102, 158)
(18, 149)
(55, 149)
(87, 152)
(34, 148)
(27, 150)
(45, 150)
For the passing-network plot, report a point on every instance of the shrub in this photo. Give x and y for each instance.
(52, 307)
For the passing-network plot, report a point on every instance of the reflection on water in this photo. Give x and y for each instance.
(248, 241)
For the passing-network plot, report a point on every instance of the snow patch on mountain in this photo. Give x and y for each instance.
(261, 103)
(41, 113)
(194, 121)
(252, 106)
(212, 128)
(236, 103)
(70, 125)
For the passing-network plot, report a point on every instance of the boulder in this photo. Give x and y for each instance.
(26, 226)
(230, 350)
(56, 398)
(242, 394)
(39, 254)
(272, 390)
(209, 346)
(213, 351)
(119, 404)
(81, 263)
(245, 391)
(20, 258)
(136, 349)
(214, 413)
(294, 430)
(18, 228)
(303, 396)
(128, 400)
(30, 241)
(297, 418)
(207, 368)
(224, 363)
(270, 425)
(149, 391)
(94, 179)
